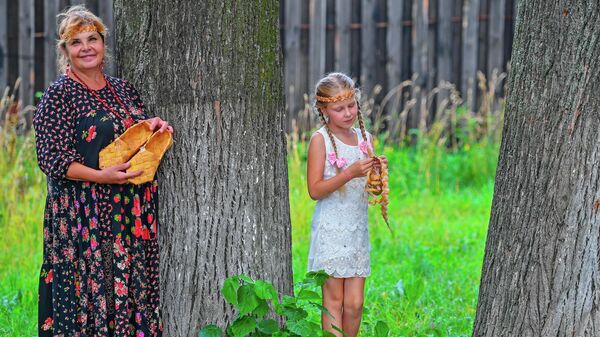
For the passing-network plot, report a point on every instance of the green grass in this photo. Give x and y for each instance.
(23, 191)
(424, 277)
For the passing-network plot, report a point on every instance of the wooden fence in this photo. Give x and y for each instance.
(380, 43)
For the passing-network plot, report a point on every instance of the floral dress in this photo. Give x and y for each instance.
(100, 274)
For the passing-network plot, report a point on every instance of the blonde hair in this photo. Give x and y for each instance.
(72, 21)
(328, 89)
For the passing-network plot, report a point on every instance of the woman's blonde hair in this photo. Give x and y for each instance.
(329, 89)
(72, 21)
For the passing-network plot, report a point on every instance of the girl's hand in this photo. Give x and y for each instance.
(117, 175)
(360, 168)
(156, 122)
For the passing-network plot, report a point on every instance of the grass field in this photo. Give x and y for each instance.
(425, 275)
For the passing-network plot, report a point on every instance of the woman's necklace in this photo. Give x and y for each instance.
(128, 120)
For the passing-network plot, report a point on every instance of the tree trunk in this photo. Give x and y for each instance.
(541, 274)
(214, 70)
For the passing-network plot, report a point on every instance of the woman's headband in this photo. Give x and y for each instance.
(76, 29)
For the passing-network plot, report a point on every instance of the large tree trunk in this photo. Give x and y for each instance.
(541, 274)
(214, 70)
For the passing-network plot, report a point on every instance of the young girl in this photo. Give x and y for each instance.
(338, 161)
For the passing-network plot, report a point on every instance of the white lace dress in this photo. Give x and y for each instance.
(339, 233)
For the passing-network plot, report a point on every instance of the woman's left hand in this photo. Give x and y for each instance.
(161, 125)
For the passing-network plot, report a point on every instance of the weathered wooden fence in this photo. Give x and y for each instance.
(378, 42)
(381, 43)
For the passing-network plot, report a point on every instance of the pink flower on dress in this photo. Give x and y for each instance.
(365, 146)
(335, 161)
(48, 278)
(91, 134)
(47, 324)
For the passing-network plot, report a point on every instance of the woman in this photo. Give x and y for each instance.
(99, 275)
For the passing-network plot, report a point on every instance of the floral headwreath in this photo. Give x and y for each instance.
(338, 98)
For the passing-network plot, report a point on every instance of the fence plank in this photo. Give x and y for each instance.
(3, 45)
(394, 42)
(51, 9)
(294, 89)
(343, 17)
(470, 25)
(444, 46)
(26, 47)
(317, 18)
(105, 12)
(420, 18)
(419, 41)
(496, 36)
(367, 50)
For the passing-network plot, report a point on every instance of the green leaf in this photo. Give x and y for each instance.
(247, 300)
(265, 290)
(304, 328)
(294, 313)
(335, 327)
(230, 289)
(306, 294)
(381, 329)
(319, 277)
(246, 279)
(242, 326)
(210, 331)
(268, 326)
(328, 334)
(262, 309)
(288, 300)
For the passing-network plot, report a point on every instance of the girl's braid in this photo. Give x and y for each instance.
(329, 133)
(362, 126)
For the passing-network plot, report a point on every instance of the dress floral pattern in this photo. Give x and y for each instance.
(99, 276)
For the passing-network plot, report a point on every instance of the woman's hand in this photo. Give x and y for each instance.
(116, 174)
(162, 125)
(360, 167)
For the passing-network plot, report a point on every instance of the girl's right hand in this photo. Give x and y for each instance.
(360, 168)
(117, 175)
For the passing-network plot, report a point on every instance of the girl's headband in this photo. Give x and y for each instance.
(337, 98)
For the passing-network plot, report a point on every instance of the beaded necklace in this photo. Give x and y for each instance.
(128, 120)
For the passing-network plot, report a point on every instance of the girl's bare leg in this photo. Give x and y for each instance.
(333, 295)
(354, 293)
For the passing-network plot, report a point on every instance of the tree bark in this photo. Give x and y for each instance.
(214, 70)
(541, 273)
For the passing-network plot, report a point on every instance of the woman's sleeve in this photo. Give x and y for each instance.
(136, 99)
(54, 134)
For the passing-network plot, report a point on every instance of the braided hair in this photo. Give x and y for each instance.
(332, 85)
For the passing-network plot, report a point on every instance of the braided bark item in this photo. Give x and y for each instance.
(149, 156)
(125, 146)
(378, 188)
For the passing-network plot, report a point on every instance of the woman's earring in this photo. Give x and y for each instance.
(102, 66)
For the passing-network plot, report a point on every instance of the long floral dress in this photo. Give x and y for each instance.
(99, 275)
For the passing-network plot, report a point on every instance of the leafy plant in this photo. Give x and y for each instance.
(255, 299)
